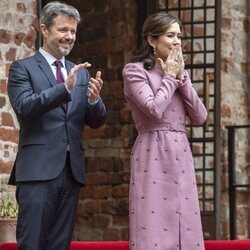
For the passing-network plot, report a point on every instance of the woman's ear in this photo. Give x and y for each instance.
(151, 41)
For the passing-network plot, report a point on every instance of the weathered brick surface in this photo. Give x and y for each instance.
(107, 38)
(235, 108)
(17, 37)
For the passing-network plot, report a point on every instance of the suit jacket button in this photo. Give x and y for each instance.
(65, 140)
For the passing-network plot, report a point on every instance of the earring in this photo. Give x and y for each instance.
(154, 49)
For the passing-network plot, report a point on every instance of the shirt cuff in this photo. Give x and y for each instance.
(93, 103)
(67, 88)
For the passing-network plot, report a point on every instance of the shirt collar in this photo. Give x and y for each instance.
(49, 58)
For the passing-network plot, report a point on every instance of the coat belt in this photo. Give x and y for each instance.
(175, 127)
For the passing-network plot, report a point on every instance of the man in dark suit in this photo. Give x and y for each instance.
(53, 99)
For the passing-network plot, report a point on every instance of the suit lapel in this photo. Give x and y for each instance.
(45, 67)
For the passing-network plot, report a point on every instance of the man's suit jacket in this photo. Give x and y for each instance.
(46, 130)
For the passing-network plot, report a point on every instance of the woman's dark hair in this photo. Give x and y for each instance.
(155, 25)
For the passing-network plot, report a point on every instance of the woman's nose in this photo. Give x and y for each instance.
(176, 41)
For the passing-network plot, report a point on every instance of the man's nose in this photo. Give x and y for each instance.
(69, 35)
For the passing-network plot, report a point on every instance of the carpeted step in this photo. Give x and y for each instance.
(123, 245)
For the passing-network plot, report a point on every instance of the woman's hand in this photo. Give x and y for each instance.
(171, 65)
(181, 60)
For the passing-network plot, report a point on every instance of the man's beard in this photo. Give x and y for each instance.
(65, 52)
(59, 49)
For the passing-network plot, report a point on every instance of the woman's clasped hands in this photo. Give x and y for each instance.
(174, 64)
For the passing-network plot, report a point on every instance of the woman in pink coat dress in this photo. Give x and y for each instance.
(164, 208)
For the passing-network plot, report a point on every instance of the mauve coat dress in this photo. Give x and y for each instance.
(164, 209)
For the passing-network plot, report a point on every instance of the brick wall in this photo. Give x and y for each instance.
(18, 22)
(106, 39)
(235, 107)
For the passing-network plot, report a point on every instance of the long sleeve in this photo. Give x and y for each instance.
(96, 115)
(196, 110)
(138, 91)
(25, 101)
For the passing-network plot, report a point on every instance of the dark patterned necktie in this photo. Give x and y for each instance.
(59, 77)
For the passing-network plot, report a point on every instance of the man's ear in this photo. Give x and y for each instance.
(43, 29)
(151, 41)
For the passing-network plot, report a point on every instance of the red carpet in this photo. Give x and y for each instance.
(123, 245)
(227, 244)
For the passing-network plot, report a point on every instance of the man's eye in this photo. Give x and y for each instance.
(72, 32)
